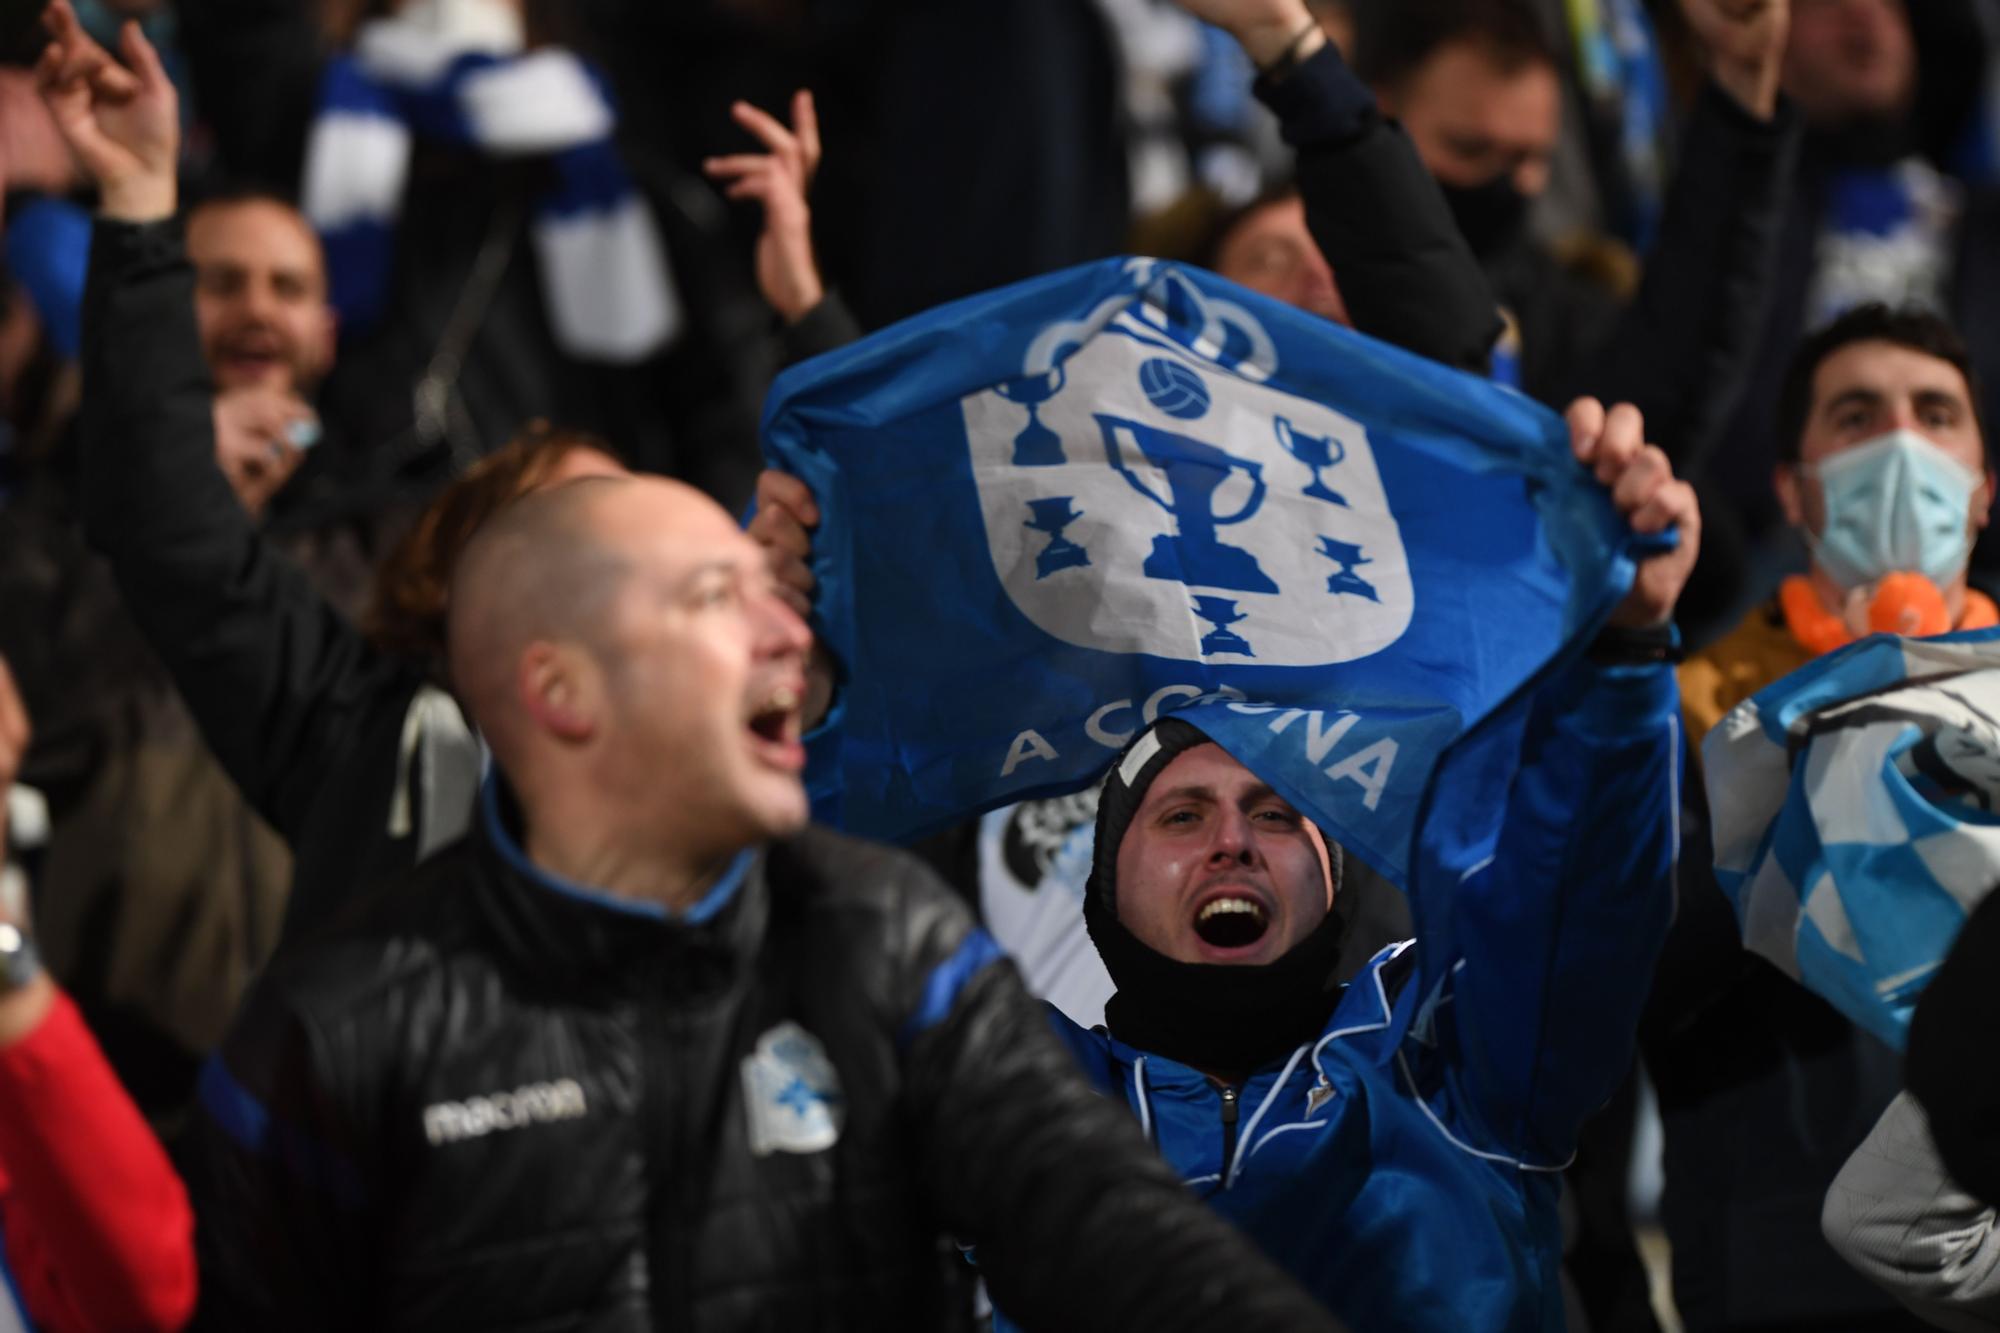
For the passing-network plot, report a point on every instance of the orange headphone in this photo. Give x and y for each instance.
(1906, 604)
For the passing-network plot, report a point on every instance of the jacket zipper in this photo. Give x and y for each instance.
(1228, 1130)
(669, 1249)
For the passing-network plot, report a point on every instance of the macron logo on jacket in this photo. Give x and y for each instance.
(530, 1104)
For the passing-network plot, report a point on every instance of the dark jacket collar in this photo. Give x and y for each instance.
(584, 934)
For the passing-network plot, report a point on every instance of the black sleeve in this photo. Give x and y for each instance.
(1681, 351)
(1404, 271)
(1078, 1223)
(827, 326)
(1704, 957)
(277, 680)
(1951, 1066)
(255, 68)
(274, 1171)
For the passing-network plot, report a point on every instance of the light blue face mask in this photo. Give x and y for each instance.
(1897, 504)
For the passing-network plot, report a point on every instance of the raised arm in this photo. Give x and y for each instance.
(1405, 273)
(272, 673)
(780, 179)
(1682, 348)
(1548, 949)
(815, 320)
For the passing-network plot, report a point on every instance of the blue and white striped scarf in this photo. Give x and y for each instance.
(605, 279)
(1856, 806)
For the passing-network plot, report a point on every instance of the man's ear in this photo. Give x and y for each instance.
(1785, 480)
(1326, 862)
(558, 689)
(1982, 509)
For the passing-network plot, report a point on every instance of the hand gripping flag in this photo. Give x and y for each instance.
(1854, 808)
(1052, 512)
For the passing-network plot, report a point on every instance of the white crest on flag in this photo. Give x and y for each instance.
(1153, 494)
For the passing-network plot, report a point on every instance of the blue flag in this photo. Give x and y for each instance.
(1055, 511)
(1854, 805)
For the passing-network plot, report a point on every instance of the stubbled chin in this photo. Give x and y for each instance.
(784, 811)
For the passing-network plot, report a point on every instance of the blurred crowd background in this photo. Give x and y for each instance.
(433, 315)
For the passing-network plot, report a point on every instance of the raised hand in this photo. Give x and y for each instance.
(786, 515)
(121, 121)
(787, 273)
(1266, 29)
(1642, 484)
(1746, 47)
(254, 432)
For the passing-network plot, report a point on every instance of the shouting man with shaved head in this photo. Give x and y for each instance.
(645, 1050)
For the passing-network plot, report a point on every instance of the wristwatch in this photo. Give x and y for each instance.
(20, 963)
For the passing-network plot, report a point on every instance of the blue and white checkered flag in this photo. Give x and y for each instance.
(1854, 810)
(1054, 511)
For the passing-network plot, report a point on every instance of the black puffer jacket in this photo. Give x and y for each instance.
(489, 1100)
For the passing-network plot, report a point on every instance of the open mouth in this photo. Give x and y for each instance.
(245, 362)
(1231, 922)
(775, 726)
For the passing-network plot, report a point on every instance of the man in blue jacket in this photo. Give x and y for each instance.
(1395, 1144)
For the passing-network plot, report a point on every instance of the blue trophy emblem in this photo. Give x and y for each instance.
(1317, 454)
(1221, 612)
(1052, 516)
(1348, 556)
(1036, 445)
(1194, 471)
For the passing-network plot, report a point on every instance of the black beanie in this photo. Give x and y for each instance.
(1217, 1017)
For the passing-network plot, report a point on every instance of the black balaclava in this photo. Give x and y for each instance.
(1211, 1016)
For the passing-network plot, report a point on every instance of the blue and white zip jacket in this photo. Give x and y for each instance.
(1404, 1166)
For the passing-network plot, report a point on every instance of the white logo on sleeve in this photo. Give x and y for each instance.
(791, 1093)
(531, 1104)
(1153, 493)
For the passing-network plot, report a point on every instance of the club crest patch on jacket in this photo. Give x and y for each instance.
(791, 1093)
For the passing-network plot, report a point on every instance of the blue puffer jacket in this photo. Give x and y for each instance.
(1405, 1166)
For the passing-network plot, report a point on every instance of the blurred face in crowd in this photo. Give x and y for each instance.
(704, 669)
(1217, 868)
(1270, 251)
(1848, 59)
(1865, 390)
(260, 296)
(1475, 119)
